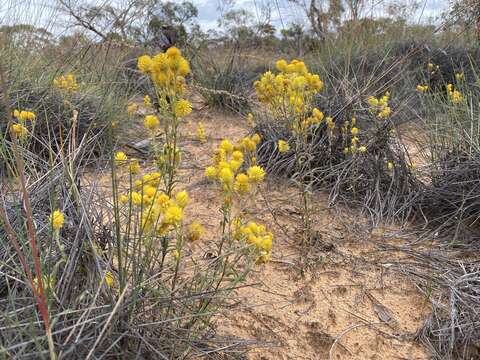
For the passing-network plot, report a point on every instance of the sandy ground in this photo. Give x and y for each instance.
(335, 299)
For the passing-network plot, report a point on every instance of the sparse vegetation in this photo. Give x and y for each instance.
(160, 181)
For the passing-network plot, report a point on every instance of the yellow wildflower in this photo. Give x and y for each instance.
(173, 215)
(422, 88)
(120, 157)
(283, 146)
(147, 101)
(145, 64)
(19, 130)
(211, 172)
(109, 279)
(182, 198)
(136, 198)
(256, 139)
(57, 219)
(134, 167)
(242, 186)
(226, 146)
(182, 108)
(256, 174)
(151, 122)
(250, 120)
(195, 231)
(226, 176)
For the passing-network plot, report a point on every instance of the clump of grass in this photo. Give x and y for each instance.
(225, 83)
(449, 146)
(353, 153)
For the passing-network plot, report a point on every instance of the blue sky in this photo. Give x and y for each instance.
(283, 12)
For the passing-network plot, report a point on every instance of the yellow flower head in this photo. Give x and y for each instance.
(182, 198)
(211, 172)
(136, 198)
(151, 122)
(147, 101)
(281, 65)
(283, 146)
(57, 219)
(66, 83)
(226, 146)
(109, 279)
(422, 88)
(195, 231)
(19, 130)
(145, 64)
(242, 186)
(23, 115)
(250, 120)
(226, 176)
(173, 215)
(173, 52)
(354, 131)
(182, 108)
(256, 139)
(390, 165)
(256, 174)
(237, 155)
(362, 149)
(120, 157)
(134, 167)
(235, 164)
(456, 97)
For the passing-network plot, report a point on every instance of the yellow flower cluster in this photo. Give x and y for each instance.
(19, 129)
(459, 76)
(349, 128)
(283, 146)
(159, 212)
(202, 136)
(57, 219)
(291, 90)
(455, 96)
(147, 101)
(258, 236)
(151, 122)
(167, 70)
(66, 83)
(227, 161)
(422, 88)
(182, 108)
(432, 68)
(109, 279)
(23, 115)
(379, 106)
(250, 120)
(133, 164)
(195, 231)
